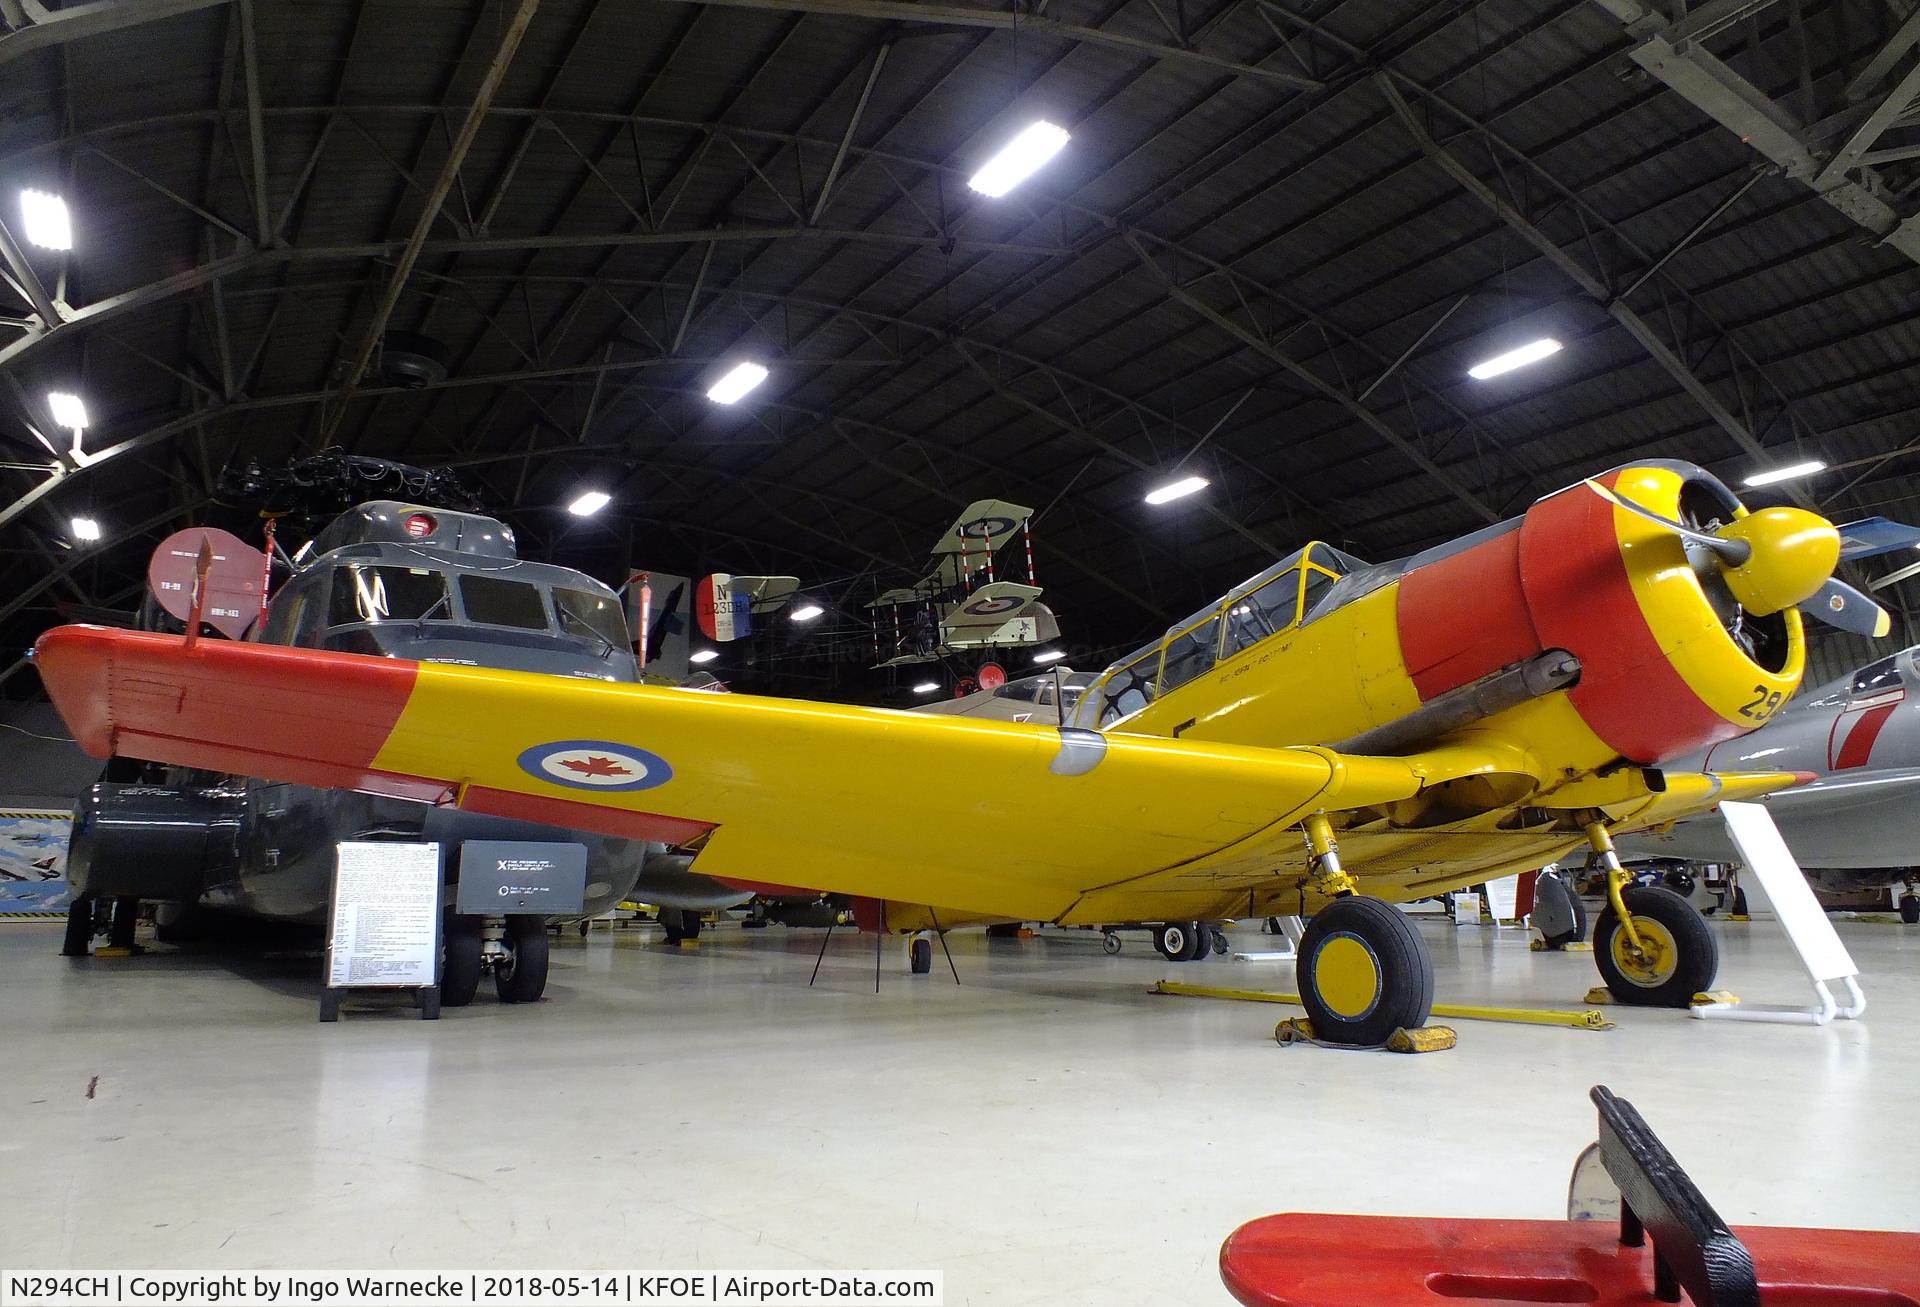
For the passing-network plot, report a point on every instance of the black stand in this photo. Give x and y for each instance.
(1693, 1250)
(424, 997)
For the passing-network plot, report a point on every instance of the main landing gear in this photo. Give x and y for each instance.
(1653, 947)
(518, 959)
(1363, 970)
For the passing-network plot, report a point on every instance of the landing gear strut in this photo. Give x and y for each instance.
(1653, 947)
(1363, 970)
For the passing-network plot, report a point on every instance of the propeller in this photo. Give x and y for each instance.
(1776, 558)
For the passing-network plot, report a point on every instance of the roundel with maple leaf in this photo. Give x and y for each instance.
(595, 765)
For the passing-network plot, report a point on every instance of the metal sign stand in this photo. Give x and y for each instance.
(383, 924)
(1808, 928)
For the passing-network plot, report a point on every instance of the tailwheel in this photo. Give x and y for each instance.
(1909, 909)
(920, 955)
(520, 975)
(1676, 958)
(1364, 972)
(462, 941)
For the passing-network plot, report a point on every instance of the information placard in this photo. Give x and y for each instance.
(384, 929)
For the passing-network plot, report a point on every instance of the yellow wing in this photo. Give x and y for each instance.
(989, 818)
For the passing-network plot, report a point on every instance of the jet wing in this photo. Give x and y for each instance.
(804, 793)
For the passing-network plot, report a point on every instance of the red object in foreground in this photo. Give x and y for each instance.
(1307, 1260)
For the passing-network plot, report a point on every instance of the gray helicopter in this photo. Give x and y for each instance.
(396, 580)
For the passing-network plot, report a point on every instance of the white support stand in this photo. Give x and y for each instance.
(1292, 928)
(1812, 935)
(1503, 902)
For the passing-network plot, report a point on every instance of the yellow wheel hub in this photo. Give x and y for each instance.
(1654, 963)
(1347, 975)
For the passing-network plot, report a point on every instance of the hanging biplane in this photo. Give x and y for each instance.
(1329, 738)
(960, 606)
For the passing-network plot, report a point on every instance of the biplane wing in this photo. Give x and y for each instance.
(796, 791)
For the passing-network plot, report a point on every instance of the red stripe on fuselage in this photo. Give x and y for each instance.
(576, 814)
(1582, 601)
(298, 715)
(1463, 616)
(1858, 746)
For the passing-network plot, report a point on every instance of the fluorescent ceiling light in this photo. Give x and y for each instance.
(67, 410)
(45, 220)
(1531, 352)
(1176, 489)
(743, 377)
(85, 528)
(1019, 159)
(1050, 656)
(807, 613)
(589, 503)
(1786, 473)
(704, 656)
(926, 687)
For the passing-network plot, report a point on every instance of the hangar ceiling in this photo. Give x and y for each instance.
(1281, 233)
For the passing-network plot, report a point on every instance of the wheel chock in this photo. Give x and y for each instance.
(1427, 1039)
(1541, 946)
(1293, 1030)
(116, 951)
(1599, 994)
(1715, 998)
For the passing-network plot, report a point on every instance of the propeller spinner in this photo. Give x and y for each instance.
(1777, 558)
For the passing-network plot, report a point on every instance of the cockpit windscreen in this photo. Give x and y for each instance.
(369, 593)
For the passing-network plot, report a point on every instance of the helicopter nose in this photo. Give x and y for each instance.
(1792, 554)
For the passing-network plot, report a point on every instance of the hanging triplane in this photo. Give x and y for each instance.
(1482, 708)
(961, 606)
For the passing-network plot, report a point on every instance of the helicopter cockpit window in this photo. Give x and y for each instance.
(370, 593)
(492, 601)
(591, 616)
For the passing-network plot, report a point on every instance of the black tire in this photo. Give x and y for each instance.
(1910, 909)
(461, 942)
(1686, 959)
(126, 916)
(920, 956)
(1219, 938)
(1109, 943)
(1739, 903)
(79, 938)
(1174, 939)
(1353, 940)
(521, 975)
(680, 924)
(1202, 941)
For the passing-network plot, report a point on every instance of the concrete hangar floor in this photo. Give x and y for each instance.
(1046, 1132)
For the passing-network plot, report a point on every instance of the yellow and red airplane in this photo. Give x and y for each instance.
(1329, 738)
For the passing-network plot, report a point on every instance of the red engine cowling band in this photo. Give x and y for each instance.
(1557, 578)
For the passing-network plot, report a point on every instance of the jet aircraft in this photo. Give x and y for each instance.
(1328, 739)
(1853, 828)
